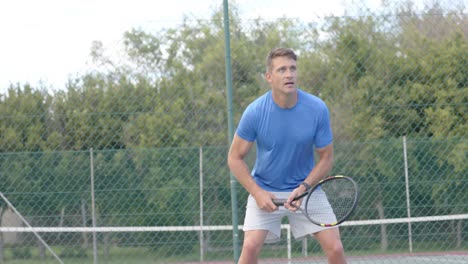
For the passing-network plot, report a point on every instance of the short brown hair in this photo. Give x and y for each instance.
(280, 52)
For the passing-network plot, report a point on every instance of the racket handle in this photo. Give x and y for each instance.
(279, 202)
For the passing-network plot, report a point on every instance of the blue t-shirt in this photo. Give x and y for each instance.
(285, 139)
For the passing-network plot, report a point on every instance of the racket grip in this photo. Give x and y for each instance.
(279, 202)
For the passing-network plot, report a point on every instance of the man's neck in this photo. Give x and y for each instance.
(285, 100)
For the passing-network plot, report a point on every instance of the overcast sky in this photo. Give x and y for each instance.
(49, 40)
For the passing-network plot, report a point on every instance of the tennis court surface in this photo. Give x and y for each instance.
(458, 257)
(397, 259)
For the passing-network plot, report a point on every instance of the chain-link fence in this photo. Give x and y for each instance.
(127, 164)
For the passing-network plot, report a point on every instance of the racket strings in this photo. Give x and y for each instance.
(333, 202)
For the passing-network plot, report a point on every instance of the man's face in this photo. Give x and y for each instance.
(282, 75)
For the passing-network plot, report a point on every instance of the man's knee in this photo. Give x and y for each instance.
(250, 251)
(251, 248)
(253, 243)
(331, 242)
(335, 248)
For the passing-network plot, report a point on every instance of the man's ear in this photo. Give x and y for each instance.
(268, 76)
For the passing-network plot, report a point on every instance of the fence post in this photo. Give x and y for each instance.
(289, 243)
(235, 216)
(408, 204)
(93, 207)
(202, 245)
(304, 247)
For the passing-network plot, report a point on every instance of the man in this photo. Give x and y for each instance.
(288, 126)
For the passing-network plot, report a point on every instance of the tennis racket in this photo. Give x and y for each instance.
(330, 202)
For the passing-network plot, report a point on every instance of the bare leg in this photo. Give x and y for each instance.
(253, 243)
(331, 244)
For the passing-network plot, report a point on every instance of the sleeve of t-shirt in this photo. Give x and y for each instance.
(247, 125)
(324, 135)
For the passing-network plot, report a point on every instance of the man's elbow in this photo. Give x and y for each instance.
(231, 160)
(234, 161)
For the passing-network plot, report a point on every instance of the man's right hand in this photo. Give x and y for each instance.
(264, 200)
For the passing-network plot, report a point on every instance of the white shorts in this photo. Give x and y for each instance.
(258, 219)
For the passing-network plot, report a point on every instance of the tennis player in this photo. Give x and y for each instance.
(288, 126)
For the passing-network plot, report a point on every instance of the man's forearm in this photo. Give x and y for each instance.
(241, 172)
